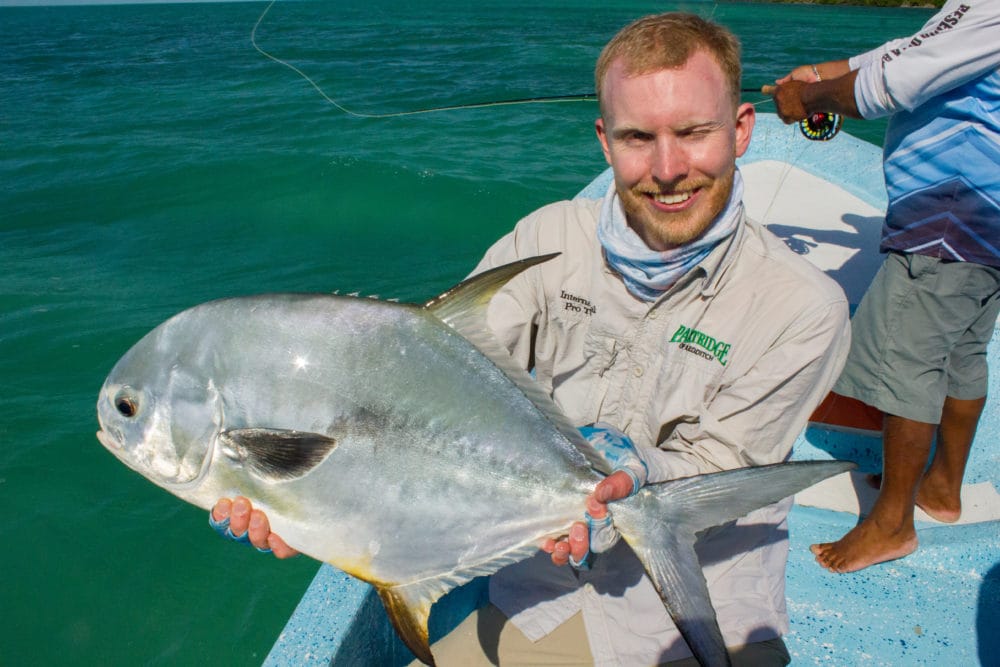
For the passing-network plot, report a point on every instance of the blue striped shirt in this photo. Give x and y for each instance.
(942, 148)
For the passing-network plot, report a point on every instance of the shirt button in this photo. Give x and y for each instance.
(637, 371)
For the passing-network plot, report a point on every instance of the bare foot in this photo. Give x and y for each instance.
(866, 544)
(938, 504)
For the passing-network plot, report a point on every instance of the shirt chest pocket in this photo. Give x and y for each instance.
(687, 374)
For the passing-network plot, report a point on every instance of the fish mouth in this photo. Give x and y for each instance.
(109, 442)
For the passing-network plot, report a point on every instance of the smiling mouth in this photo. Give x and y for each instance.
(671, 199)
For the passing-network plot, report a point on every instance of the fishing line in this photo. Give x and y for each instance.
(784, 174)
(544, 99)
(586, 97)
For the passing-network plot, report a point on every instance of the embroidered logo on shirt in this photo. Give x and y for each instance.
(696, 342)
(577, 304)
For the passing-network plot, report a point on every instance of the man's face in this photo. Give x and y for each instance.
(672, 138)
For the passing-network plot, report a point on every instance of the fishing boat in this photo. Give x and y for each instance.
(938, 606)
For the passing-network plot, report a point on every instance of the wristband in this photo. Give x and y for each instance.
(619, 451)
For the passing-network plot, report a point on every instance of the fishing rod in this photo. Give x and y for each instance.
(820, 126)
(544, 99)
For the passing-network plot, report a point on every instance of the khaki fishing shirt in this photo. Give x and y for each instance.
(720, 372)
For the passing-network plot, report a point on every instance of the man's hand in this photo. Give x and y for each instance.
(796, 98)
(804, 73)
(246, 522)
(788, 102)
(578, 543)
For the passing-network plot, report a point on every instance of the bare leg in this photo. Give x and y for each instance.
(887, 532)
(940, 492)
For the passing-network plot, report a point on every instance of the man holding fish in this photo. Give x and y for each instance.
(674, 317)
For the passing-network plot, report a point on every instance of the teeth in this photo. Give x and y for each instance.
(672, 199)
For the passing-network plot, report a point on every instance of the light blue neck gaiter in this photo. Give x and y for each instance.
(648, 273)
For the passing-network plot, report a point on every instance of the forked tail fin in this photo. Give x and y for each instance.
(661, 522)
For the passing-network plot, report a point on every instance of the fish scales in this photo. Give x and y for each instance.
(372, 376)
(398, 443)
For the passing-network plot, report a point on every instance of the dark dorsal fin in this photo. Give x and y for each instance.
(276, 454)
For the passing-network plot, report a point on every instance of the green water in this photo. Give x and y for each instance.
(151, 159)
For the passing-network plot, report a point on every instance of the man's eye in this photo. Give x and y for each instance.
(636, 137)
(699, 132)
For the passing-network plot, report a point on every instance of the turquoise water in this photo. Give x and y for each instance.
(151, 159)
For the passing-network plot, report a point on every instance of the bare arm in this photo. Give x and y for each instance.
(795, 99)
(832, 69)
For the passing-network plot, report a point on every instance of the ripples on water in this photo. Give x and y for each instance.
(150, 159)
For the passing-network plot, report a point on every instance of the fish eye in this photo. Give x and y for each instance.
(126, 404)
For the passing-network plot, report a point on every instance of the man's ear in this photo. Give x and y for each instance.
(602, 136)
(746, 116)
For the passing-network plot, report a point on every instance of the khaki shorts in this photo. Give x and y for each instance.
(920, 335)
(486, 638)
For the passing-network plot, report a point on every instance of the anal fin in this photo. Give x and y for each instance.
(409, 614)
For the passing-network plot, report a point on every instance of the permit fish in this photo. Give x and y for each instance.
(401, 444)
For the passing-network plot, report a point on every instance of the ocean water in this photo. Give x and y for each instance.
(152, 159)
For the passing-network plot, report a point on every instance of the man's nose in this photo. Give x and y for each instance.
(669, 161)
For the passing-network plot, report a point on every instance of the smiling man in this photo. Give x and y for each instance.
(673, 317)
(708, 343)
(673, 164)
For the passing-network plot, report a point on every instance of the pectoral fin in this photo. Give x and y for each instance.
(276, 454)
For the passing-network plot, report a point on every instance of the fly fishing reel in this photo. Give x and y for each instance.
(821, 126)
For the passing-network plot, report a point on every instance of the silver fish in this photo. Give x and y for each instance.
(399, 443)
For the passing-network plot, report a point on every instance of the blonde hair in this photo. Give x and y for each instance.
(667, 41)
